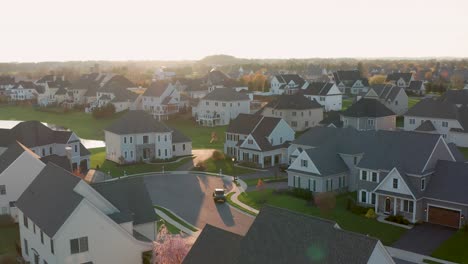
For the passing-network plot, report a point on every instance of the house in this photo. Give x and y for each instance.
(350, 82)
(46, 142)
(51, 84)
(400, 79)
(287, 83)
(25, 91)
(331, 119)
(137, 136)
(6, 84)
(415, 175)
(65, 220)
(220, 106)
(162, 74)
(298, 111)
(369, 114)
(194, 88)
(417, 88)
(441, 116)
(258, 139)
(161, 100)
(326, 94)
(393, 97)
(309, 240)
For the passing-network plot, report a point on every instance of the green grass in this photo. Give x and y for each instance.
(388, 234)
(175, 218)
(412, 101)
(200, 135)
(98, 157)
(83, 124)
(455, 248)
(9, 235)
(171, 228)
(253, 182)
(230, 202)
(464, 151)
(431, 261)
(400, 122)
(227, 167)
(346, 103)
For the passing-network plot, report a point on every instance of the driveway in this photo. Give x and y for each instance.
(424, 239)
(189, 196)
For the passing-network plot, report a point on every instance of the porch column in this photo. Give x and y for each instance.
(414, 211)
(272, 160)
(376, 202)
(394, 205)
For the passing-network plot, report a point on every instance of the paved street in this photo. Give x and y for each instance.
(189, 196)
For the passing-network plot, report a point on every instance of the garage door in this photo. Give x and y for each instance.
(442, 216)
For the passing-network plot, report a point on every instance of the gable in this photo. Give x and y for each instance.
(282, 129)
(387, 184)
(334, 90)
(441, 151)
(246, 144)
(95, 198)
(297, 164)
(371, 93)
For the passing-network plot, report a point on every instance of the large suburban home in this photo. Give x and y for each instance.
(287, 83)
(310, 240)
(46, 142)
(417, 88)
(25, 91)
(258, 139)
(137, 136)
(400, 79)
(440, 116)
(416, 175)
(298, 111)
(65, 220)
(51, 84)
(350, 82)
(161, 99)
(369, 114)
(122, 99)
(220, 106)
(326, 94)
(6, 83)
(393, 97)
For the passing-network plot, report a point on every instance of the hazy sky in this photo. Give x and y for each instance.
(173, 29)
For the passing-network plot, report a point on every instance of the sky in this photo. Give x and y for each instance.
(62, 30)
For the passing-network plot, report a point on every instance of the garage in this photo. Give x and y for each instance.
(444, 216)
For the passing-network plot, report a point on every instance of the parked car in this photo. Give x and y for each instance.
(219, 195)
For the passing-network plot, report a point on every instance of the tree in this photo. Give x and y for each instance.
(168, 248)
(457, 81)
(325, 201)
(377, 79)
(362, 69)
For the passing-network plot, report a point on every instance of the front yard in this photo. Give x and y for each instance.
(226, 165)
(388, 234)
(9, 235)
(455, 248)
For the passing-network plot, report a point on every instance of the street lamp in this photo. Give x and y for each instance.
(234, 169)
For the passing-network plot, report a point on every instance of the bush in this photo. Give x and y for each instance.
(104, 112)
(200, 166)
(354, 208)
(399, 219)
(301, 193)
(217, 155)
(371, 214)
(248, 164)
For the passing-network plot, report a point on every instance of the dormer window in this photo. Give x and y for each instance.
(423, 184)
(395, 183)
(250, 141)
(304, 163)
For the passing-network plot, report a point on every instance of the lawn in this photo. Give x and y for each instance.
(346, 103)
(254, 182)
(83, 124)
(98, 158)
(455, 248)
(9, 235)
(413, 100)
(388, 234)
(175, 218)
(200, 135)
(227, 167)
(464, 151)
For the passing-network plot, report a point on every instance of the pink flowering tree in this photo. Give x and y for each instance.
(169, 248)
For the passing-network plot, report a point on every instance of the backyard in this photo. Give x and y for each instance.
(347, 220)
(9, 235)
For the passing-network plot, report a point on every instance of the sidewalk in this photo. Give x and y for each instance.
(413, 257)
(237, 191)
(175, 223)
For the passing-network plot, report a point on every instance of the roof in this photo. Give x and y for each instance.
(179, 137)
(287, 78)
(415, 85)
(243, 124)
(387, 92)
(406, 76)
(226, 94)
(426, 126)
(367, 107)
(33, 134)
(156, 89)
(318, 88)
(349, 78)
(130, 196)
(214, 246)
(459, 97)
(61, 161)
(327, 161)
(49, 200)
(123, 94)
(434, 108)
(296, 102)
(217, 77)
(10, 155)
(449, 182)
(136, 122)
(332, 118)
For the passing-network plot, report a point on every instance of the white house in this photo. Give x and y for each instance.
(162, 74)
(65, 220)
(393, 97)
(24, 90)
(400, 79)
(220, 106)
(287, 83)
(326, 94)
(369, 114)
(258, 139)
(350, 82)
(137, 136)
(161, 99)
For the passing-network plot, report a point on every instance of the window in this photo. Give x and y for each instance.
(314, 185)
(339, 182)
(34, 228)
(125, 154)
(293, 113)
(76, 148)
(224, 104)
(42, 237)
(50, 151)
(145, 139)
(423, 184)
(281, 140)
(408, 206)
(165, 152)
(173, 147)
(303, 163)
(2, 190)
(444, 123)
(125, 140)
(131, 153)
(363, 197)
(370, 122)
(26, 249)
(412, 121)
(165, 138)
(363, 175)
(294, 124)
(374, 176)
(159, 138)
(207, 103)
(159, 152)
(52, 249)
(79, 245)
(25, 220)
(373, 198)
(131, 140)
(355, 160)
(306, 124)
(183, 147)
(395, 183)
(43, 152)
(12, 204)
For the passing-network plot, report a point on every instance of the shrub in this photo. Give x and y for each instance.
(217, 155)
(399, 219)
(371, 214)
(248, 164)
(104, 112)
(301, 193)
(200, 166)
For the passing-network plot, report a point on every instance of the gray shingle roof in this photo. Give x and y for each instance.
(415, 85)
(156, 89)
(332, 117)
(449, 182)
(135, 122)
(10, 155)
(327, 161)
(243, 124)
(387, 92)
(294, 102)
(426, 126)
(130, 196)
(61, 161)
(397, 75)
(367, 107)
(49, 200)
(287, 78)
(226, 94)
(179, 137)
(455, 97)
(33, 134)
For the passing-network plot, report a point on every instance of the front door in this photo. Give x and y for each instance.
(36, 258)
(388, 205)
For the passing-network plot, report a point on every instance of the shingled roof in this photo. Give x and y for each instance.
(449, 182)
(426, 126)
(287, 78)
(406, 76)
(136, 122)
(367, 107)
(434, 108)
(33, 134)
(415, 85)
(156, 89)
(294, 102)
(317, 88)
(226, 94)
(458, 97)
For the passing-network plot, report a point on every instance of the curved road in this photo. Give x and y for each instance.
(190, 197)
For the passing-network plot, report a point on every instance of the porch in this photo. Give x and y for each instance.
(162, 113)
(387, 204)
(262, 159)
(209, 119)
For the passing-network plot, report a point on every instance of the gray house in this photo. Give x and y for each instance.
(393, 97)
(369, 114)
(416, 175)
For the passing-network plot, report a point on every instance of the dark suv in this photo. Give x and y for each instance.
(219, 196)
